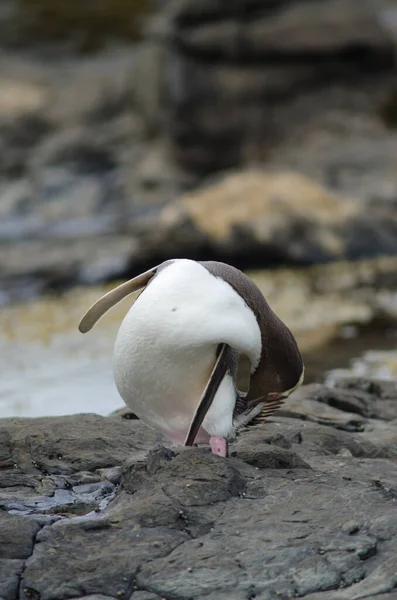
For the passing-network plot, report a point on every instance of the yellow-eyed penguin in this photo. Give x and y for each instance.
(176, 352)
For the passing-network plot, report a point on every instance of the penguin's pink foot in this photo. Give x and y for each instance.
(218, 445)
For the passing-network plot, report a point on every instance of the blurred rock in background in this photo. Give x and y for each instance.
(110, 112)
(251, 78)
(80, 26)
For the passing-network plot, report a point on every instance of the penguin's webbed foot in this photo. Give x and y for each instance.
(218, 446)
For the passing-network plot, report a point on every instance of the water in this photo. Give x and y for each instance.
(63, 377)
(356, 351)
(48, 367)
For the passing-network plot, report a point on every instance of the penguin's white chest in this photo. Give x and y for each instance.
(166, 348)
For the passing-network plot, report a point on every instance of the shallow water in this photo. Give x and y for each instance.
(356, 351)
(49, 368)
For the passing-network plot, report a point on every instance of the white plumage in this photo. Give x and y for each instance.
(166, 348)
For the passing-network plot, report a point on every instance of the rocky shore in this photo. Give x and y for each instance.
(261, 134)
(101, 507)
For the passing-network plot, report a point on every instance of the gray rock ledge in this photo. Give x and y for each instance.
(103, 508)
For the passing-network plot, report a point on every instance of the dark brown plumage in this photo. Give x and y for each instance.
(281, 365)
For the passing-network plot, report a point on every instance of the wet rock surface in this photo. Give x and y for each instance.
(101, 507)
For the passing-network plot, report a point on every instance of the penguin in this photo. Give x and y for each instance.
(177, 350)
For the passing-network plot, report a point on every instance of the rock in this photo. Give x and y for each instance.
(97, 597)
(18, 138)
(264, 456)
(287, 215)
(304, 405)
(112, 474)
(187, 524)
(312, 439)
(116, 540)
(79, 27)
(351, 527)
(10, 574)
(351, 401)
(94, 146)
(284, 215)
(17, 536)
(371, 403)
(145, 596)
(15, 196)
(324, 29)
(376, 364)
(61, 446)
(153, 180)
(47, 264)
(18, 98)
(359, 159)
(76, 169)
(238, 108)
(213, 481)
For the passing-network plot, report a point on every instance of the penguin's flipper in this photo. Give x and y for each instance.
(272, 402)
(101, 306)
(216, 377)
